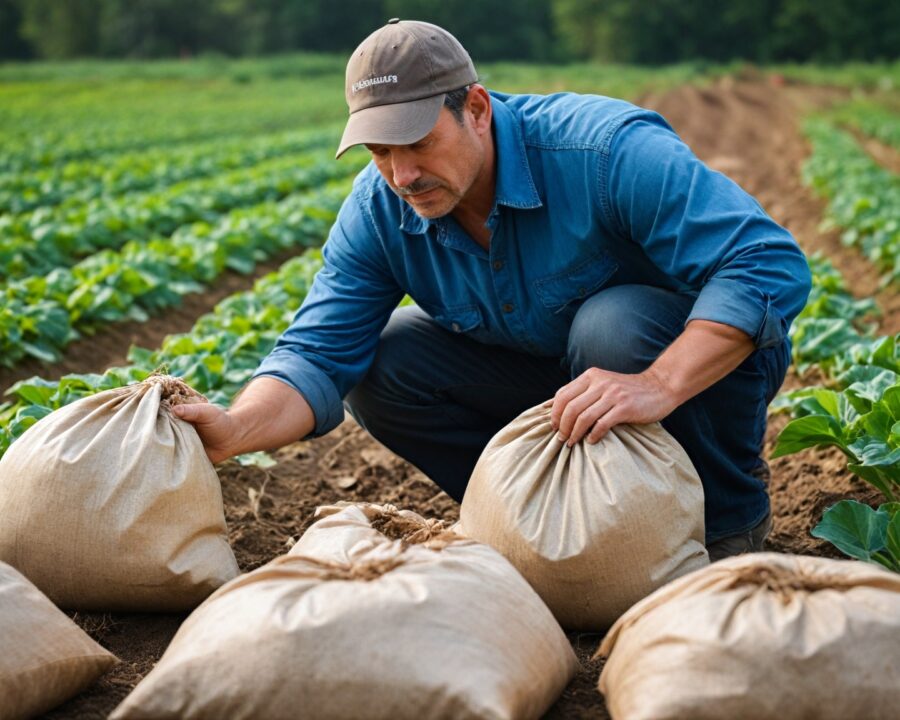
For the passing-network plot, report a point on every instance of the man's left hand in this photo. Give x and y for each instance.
(598, 400)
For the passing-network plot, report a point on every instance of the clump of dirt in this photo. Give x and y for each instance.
(397, 527)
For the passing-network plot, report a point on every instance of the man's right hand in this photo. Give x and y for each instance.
(265, 415)
(215, 427)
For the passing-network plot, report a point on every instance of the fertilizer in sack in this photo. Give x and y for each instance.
(111, 503)
(354, 624)
(765, 635)
(593, 528)
(45, 658)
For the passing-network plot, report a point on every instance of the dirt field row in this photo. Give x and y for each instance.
(748, 130)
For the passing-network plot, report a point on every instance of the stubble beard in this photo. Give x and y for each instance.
(442, 204)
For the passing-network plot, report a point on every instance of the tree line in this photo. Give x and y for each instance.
(645, 32)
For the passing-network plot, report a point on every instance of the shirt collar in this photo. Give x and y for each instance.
(515, 186)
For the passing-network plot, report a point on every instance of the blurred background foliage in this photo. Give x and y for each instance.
(647, 32)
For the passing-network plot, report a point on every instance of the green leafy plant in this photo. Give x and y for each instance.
(832, 321)
(863, 197)
(42, 315)
(870, 118)
(862, 532)
(866, 430)
(217, 357)
(34, 243)
(153, 169)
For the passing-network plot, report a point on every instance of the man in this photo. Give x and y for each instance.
(566, 247)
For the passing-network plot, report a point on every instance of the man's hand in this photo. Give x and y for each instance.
(265, 415)
(215, 427)
(598, 400)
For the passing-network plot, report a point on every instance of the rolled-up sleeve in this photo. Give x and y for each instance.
(700, 227)
(332, 340)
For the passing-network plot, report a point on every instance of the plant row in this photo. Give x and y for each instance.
(863, 197)
(869, 118)
(831, 323)
(46, 148)
(79, 182)
(41, 315)
(865, 426)
(44, 124)
(859, 413)
(48, 238)
(216, 357)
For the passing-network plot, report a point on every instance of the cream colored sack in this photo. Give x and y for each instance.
(110, 503)
(593, 528)
(760, 636)
(45, 658)
(370, 628)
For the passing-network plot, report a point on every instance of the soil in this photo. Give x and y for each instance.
(883, 154)
(746, 129)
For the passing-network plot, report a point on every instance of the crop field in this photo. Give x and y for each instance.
(171, 214)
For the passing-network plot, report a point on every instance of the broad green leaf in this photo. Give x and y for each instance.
(798, 403)
(41, 351)
(35, 390)
(141, 356)
(855, 529)
(867, 382)
(824, 336)
(828, 400)
(886, 353)
(808, 432)
(875, 452)
(892, 540)
(891, 401)
(35, 411)
(894, 435)
(877, 423)
(26, 418)
(241, 264)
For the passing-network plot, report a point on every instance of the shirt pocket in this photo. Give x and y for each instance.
(456, 318)
(576, 283)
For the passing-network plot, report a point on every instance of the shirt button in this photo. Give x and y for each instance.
(508, 307)
(498, 264)
(456, 327)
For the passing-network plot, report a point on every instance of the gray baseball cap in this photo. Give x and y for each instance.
(396, 82)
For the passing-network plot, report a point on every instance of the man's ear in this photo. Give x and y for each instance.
(478, 107)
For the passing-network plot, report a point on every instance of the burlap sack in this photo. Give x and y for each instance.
(372, 628)
(760, 636)
(593, 528)
(45, 658)
(110, 503)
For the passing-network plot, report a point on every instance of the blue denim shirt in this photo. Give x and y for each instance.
(591, 192)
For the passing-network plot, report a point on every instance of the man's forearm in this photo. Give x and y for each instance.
(701, 356)
(268, 414)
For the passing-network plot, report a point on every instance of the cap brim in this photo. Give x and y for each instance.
(396, 124)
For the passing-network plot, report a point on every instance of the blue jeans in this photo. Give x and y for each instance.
(436, 398)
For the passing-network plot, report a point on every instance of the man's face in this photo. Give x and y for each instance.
(434, 174)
